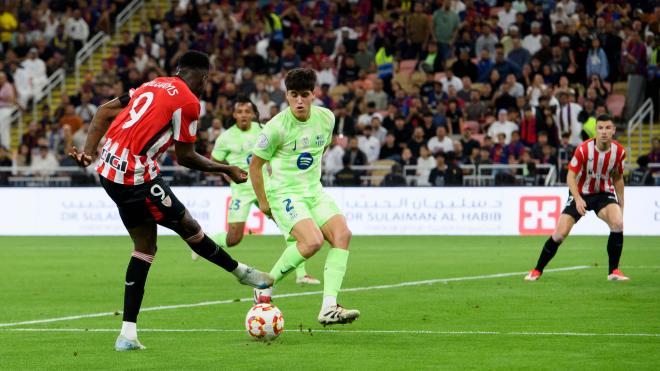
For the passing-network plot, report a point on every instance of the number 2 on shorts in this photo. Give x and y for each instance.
(287, 205)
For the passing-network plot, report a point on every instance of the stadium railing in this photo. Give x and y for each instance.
(635, 124)
(475, 176)
(87, 51)
(127, 13)
(16, 117)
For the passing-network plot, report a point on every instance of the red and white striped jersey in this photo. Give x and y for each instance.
(160, 111)
(594, 168)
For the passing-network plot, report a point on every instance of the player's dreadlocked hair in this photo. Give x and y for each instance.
(241, 99)
(194, 60)
(300, 79)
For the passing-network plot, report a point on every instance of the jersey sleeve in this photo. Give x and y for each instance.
(329, 123)
(621, 165)
(184, 122)
(220, 149)
(577, 161)
(268, 141)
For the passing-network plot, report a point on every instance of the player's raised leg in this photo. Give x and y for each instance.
(191, 232)
(144, 241)
(612, 215)
(336, 232)
(564, 226)
(227, 239)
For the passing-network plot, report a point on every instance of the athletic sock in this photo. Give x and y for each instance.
(136, 276)
(614, 248)
(220, 239)
(333, 274)
(301, 272)
(210, 251)
(129, 330)
(329, 302)
(549, 250)
(289, 260)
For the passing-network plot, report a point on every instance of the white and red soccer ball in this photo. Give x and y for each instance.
(264, 322)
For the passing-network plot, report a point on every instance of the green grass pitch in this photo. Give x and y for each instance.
(572, 319)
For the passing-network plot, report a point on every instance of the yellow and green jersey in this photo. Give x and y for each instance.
(294, 149)
(235, 146)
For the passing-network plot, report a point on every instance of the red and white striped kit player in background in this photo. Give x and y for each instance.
(139, 129)
(130, 151)
(595, 182)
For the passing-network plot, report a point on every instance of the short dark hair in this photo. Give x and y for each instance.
(604, 117)
(300, 79)
(194, 60)
(242, 99)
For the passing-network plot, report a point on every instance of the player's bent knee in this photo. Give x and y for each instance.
(343, 238)
(233, 240)
(616, 226)
(558, 237)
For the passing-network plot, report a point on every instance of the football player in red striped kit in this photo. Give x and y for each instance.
(140, 127)
(595, 182)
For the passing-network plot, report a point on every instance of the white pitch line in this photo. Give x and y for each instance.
(289, 295)
(305, 331)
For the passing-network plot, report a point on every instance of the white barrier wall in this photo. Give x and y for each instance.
(369, 211)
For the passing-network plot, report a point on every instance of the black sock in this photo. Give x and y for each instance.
(210, 251)
(136, 276)
(614, 248)
(549, 250)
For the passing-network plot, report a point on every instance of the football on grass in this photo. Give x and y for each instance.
(264, 322)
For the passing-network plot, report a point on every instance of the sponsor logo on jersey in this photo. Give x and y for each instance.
(305, 160)
(262, 142)
(114, 161)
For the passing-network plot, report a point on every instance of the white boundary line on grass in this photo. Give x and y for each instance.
(304, 331)
(289, 295)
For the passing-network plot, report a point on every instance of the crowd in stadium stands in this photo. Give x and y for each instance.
(435, 84)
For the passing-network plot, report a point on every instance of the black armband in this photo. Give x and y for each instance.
(124, 99)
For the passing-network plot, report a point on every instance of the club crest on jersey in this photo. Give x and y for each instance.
(319, 140)
(305, 160)
(262, 142)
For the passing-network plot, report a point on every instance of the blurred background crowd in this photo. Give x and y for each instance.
(422, 88)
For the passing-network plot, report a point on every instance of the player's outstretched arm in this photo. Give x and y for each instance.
(97, 129)
(257, 180)
(580, 204)
(186, 156)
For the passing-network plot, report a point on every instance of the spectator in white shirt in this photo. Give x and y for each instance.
(567, 119)
(532, 42)
(378, 130)
(332, 159)
(450, 79)
(141, 59)
(369, 144)
(44, 163)
(30, 78)
(7, 104)
(440, 142)
(425, 163)
(327, 74)
(264, 105)
(365, 118)
(502, 125)
(507, 16)
(77, 30)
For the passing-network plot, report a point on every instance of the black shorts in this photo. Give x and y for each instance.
(144, 203)
(595, 202)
